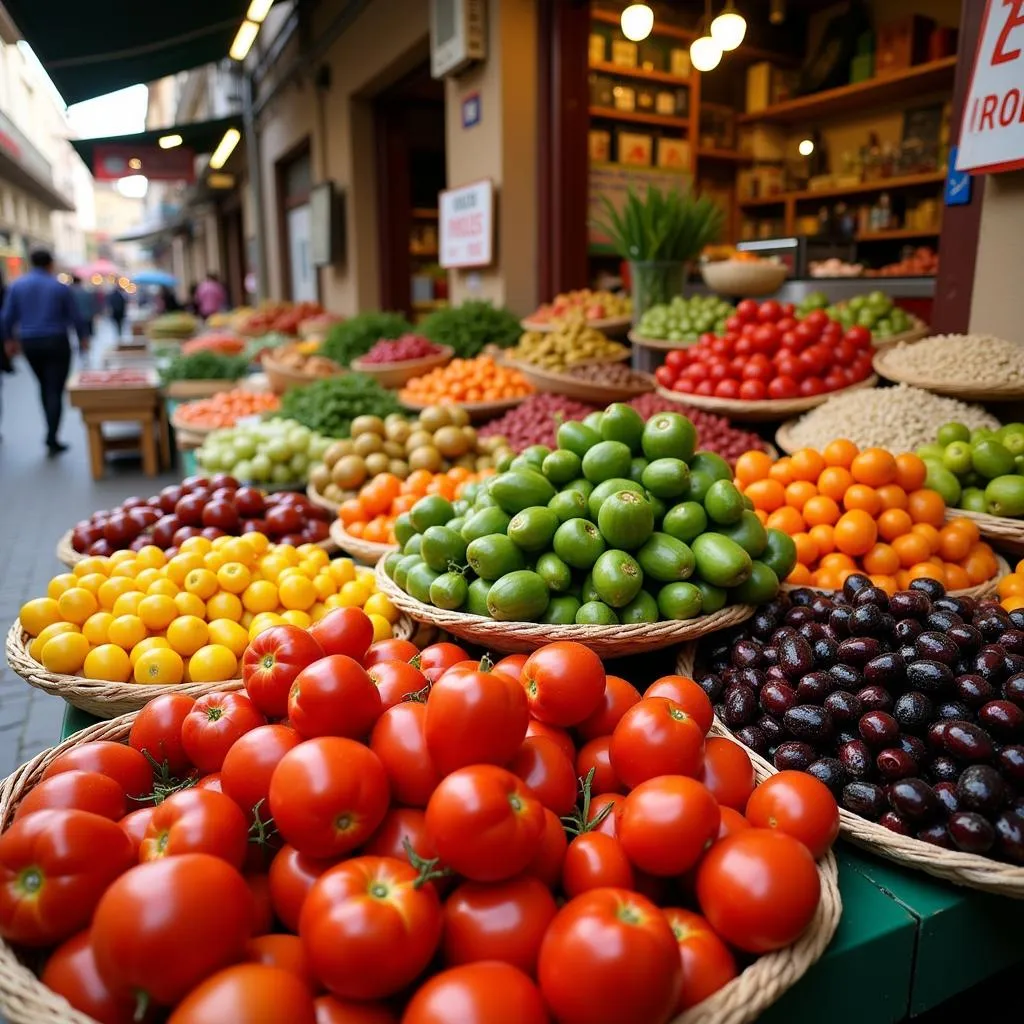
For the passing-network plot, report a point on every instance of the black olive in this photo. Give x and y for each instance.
(914, 746)
(878, 729)
(795, 656)
(713, 686)
(1010, 837)
(971, 832)
(798, 616)
(966, 637)
(894, 763)
(988, 663)
(867, 620)
(752, 677)
(809, 722)
(865, 799)
(942, 621)
(822, 607)
(856, 759)
(776, 698)
(1002, 718)
(967, 742)
(875, 698)
(891, 820)
(854, 584)
(944, 769)
(910, 604)
(1011, 763)
(929, 676)
(844, 706)
(839, 621)
(825, 649)
(763, 624)
(754, 738)
(871, 595)
(1013, 640)
(775, 673)
(846, 677)
(794, 755)
(770, 655)
(907, 630)
(802, 596)
(830, 771)
(907, 652)
(936, 834)
(814, 687)
(740, 706)
(952, 709)
(772, 729)
(1012, 664)
(992, 622)
(888, 669)
(931, 588)
(913, 799)
(847, 735)
(936, 647)
(859, 650)
(973, 690)
(952, 604)
(1017, 618)
(913, 711)
(811, 631)
(747, 653)
(945, 793)
(981, 788)
(935, 735)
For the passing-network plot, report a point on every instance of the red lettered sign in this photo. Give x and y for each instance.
(467, 225)
(992, 130)
(112, 161)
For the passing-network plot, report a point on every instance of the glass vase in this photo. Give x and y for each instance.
(655, 283)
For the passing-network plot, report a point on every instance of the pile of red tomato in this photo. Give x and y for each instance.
(381, 834)
(766, 353)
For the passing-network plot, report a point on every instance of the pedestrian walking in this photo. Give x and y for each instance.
(115, 303)
(167, 302)
(210, 296)
(86, 302)
(37, 313)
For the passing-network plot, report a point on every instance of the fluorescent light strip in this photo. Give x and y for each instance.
(258, 10)
(244, 38)
(225, 148)
(169, 141)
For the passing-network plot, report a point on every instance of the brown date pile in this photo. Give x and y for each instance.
(910, 708)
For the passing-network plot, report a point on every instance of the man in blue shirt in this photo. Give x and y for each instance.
(42, 309)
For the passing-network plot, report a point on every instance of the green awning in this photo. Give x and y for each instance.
(90, 50)
(200, 137)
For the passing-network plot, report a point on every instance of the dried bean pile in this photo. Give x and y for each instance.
(618, 374)
(536, 420)
(960, 358)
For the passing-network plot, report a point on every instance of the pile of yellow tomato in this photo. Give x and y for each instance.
(141, 616)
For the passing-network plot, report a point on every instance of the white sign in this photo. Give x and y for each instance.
(467, 225)
(992, 130)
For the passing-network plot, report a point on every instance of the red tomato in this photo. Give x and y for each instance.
(247, 992)
(334, 697)
(395, 680)
(336, 1011)
(328, 795)
(157, 731)
(435, 660)
(367, 927)
(504, 921)
(135, 824)
(204, 922)
(758, 889)
(196, 821)
(728, 772)
(54, 866)
(272, 661)
(688, 695)
(511, 665)
(596, 755)
(554, 733)
(403, 824)
(564, 683)
(608, 823)
(399, 740)
(347, 631)
(769, 311)
(729, 387)
(817, 319)
(799, 805)
(543, 766)
(250, 763)
(732, 822)
(753, 390)
(71, 972)
(214, 723)
(706, 960)
(656, 737)
(665, 376)
(291, 876)
(483, 993)
(263, 908)
(812, 386)
(596, 860)
(858, 335)
(284, 951)
(547, 863)
(76, 790)
(485, 822)
(621, 943)
(390, 650)
(475, 717)
(619, 697)
(126, 766)
(747, 310)
(783, 387)
(676, 359)
(211, 782)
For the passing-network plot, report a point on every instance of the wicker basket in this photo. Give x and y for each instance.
(319, 500)
(762, 410)
(968, 869)
(97, 696)
(995, 391)
(1003, 532)
(658, 344)
(609, 325)
(66, 554)
(366, 551)
(918, 330)
(584, 390)
(478, 411)
(24, 999)
(607, 641)
(183, 390)
(743, 278)
(283, 377)
(394, 375)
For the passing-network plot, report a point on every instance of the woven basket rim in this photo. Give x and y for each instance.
(427, 362)
(996, 527)
(66, 554)
(569, 386)
(608, 323)
(365, 550)
(967, 869)
(995, 391)
(480, 410)
(325, 503)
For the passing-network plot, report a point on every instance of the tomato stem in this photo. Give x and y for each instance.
(30, 881)
(577, 823)
(428, 869)
(418, 696)
(141, 1005)
(261, 831)
(416, 660)
(486, 664)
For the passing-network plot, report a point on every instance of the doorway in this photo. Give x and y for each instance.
(294, 181)
(409, 123)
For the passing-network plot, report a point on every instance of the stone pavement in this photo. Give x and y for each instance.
(40, 498)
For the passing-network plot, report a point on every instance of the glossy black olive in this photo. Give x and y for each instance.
(967, 742)
(854, 584)
(973, 690)
(891, 820)
(795, 656)
(913, 799)
(856, 759)
(894, 763)
(936, 646)
(772, 729)
(942, 621)
(839, 621)
(754, 738)
(981, 788)
(952, 709)
(871, 595)
(713, 686)
(844, 706)
(865, 799)
(794, 755)
(867, 620)
(930, 588)
(809, 722)
(928, 676)
(776, 698)
(878, 729)
(944, 769)
(945, 793)
(966, 637)
(846, 676)
(910, 604)
(1002, 718)
(1011, 763)
(830, 771)
(907, 630)
(859, 650)
(875, 698)
(936, 834)
(740, 706)
(888, 670)
(1010, 837)
(971, 832)
(814, 687)
(913, 710)
(747, 653)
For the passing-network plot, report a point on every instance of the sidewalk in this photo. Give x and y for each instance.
(40, 498)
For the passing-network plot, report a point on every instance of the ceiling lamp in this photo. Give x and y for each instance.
(637, 21)
(729, 28)
(705, 53)
(806, 147)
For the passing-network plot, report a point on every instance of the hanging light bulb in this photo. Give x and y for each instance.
(729, 28)
(705, 53)
(637, 21)
(806, 147)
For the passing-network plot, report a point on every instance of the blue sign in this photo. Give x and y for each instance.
(471, 110)
(958, 183)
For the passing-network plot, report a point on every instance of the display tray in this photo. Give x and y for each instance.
(476, 410)
(994, 391)
(318, 499)
(761, 411)
(918, 331)
(607, 641)
(366, 551)
(609, 324)
(582, 390)
(394, 375)
(659, 344)
(182, 390)
(743, 278)
(969, 869)
(1002, 531)
(281, 377)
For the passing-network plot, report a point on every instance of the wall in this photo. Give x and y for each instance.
(995, 305)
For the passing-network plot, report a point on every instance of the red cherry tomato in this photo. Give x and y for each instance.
(858, 335)
(135, 824)
(76, 790)
(727, 388)
(727, 772)
(157, 731)
(547, 861)
(71, 972)
(596, 756)
(564, 683)
(769, 311)
(753, 390)
(783, 387)
(291, 876)
(212, 726)
(550, 775)
(665, 376)
(125, 765)
(271, 663)
(333, 697)
(799, 805)
(596, 860)
(395, 680)
(656, 737)
(399, 739)
(259, 889)
(196, 821)
(248, 992)
(484, 993)
(346, 631)
(688, 695)
(707, 963)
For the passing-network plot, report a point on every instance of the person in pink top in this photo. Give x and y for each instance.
(210, 296)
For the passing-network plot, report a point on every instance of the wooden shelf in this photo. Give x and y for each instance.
(651, 76)
(424, 213)
(637, 117)
(875, 185)
(912, 83)
(895, 234)
(724, 154)
(424, 253)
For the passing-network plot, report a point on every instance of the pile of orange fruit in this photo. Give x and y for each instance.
(866, 511)
(1011, 588)
(467, 380)
(227, 408)
(371, 514)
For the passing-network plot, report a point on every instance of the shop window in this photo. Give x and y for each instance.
(294, 181)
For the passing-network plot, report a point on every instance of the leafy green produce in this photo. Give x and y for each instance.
(205, 366)
(470, 327)
(330, 405)
(355, 337)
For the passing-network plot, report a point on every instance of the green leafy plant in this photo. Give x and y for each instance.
(470, 327)
(205, 366)
(331, 404)
(355, 337)
(663, 227)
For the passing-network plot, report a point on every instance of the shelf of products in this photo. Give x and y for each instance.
(608, 68)
(895, 234)
(710, 153)
(611, 114)
(424, 213)
(875, 185)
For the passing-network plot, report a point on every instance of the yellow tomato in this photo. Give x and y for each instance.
(364, 574)
(332, 602)
(94, 563)
(213, 560)
(189, 604)
(224, 606)
(151, 643)
(128, 604)
(198, 545)
(77, 604)
(378, 604)
(151, 557)
(126, 567)
(112, 589)
(108, 661)
(308, 568)
(228, 633)
(126, 631)
(147, 577)
(272, 566)
(353, 595)
(288, 553)
(237, 549)
(212, 664)
(343, 570)
(60, 583)
(263, 622)
(92, 581)
(125, 555)
(159, 666)
(187, 633)
(164, 586)
(318, 611)
(96, 627)
(158, 612)
(315, 554)
(202, 583)
(297, 592)
(260, 596)
(233, 577)
(181, 565)
(65, 653)
(39, 613)
(296, 617)
(246, 620)
(35, 649)
(325, 584)
(258, 541)
(381, 628)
